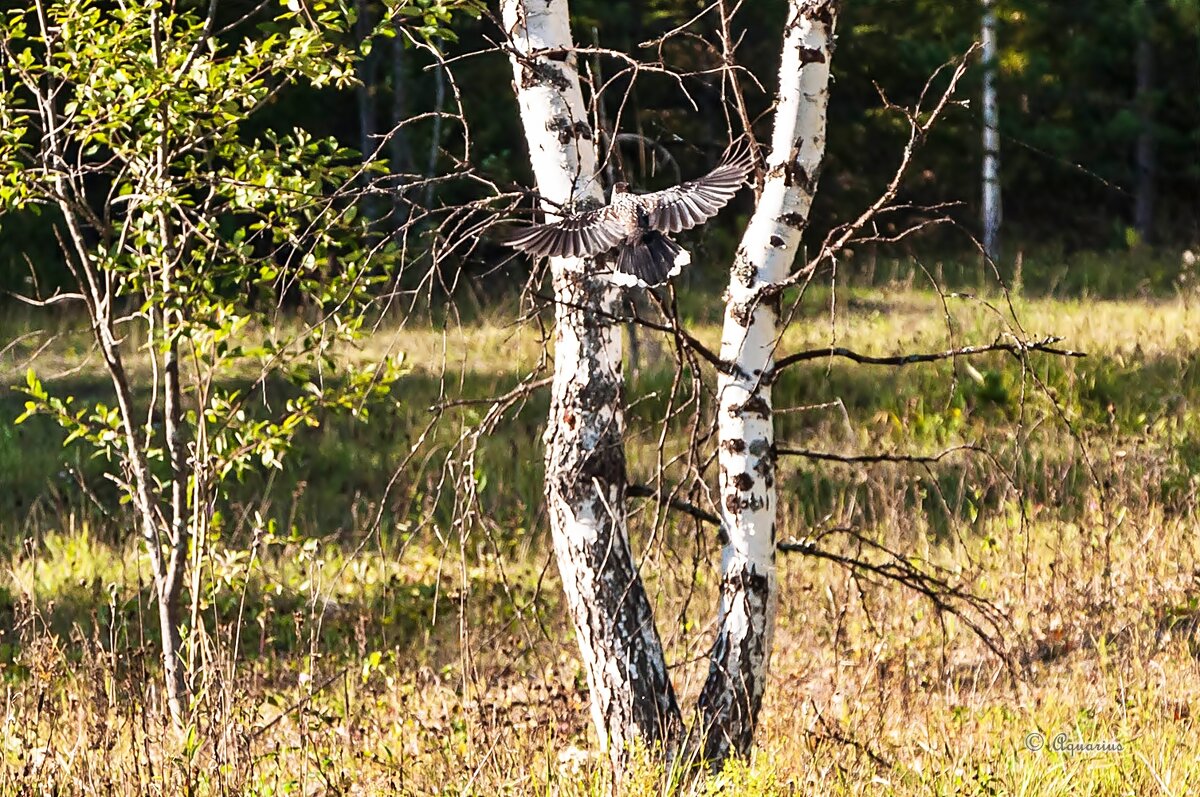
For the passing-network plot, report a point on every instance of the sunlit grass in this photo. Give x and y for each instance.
(355, 641)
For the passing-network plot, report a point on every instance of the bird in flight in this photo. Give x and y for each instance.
(630, 234)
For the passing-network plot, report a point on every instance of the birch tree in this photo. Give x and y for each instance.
(631, 693)
(732, 695)
(991, 135)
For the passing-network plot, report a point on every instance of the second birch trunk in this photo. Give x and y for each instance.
(732, 695)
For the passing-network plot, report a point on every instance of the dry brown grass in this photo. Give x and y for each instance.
(413, 661)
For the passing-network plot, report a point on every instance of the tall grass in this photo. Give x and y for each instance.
(354, 639)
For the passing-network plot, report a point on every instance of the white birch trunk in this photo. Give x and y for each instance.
(991, 136)
(631, 693)
(732, 695)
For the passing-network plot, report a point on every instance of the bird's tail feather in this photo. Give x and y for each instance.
(653, 261)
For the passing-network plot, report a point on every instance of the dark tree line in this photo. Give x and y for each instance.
(1099, 113)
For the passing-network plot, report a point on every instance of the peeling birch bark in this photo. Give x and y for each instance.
(732, 695)
(631, 693)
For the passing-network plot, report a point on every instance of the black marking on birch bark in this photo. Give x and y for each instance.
(755, 405)
(543, 73)
(736, 503)
(776, 241)
(747, 581)
(528, 76)
(597, 394)
(732, 696)
(743, 270)
(765, 467)
(805, 179)
(735, 445)
(567, 131)
(606, 465)
(795, 174)
(822, 12)
(743, 481)
(562, 126)
(794, 220)
(811, 55)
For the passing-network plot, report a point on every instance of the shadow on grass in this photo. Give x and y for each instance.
(280, 611)
(343, 474)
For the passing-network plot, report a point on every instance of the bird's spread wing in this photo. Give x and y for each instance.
(579, 235)
(696, 201)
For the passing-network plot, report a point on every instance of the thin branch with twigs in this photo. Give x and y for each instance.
(979, 615)
(1016, 348)
(829, 456)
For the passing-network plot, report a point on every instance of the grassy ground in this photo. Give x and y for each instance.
(357, 640)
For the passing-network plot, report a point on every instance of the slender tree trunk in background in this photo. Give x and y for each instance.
(732, 695)
(991, 136)
(368, 122)
(631, 693)
(170, 591)
(435, 136)
(399, 151)
(1143, 209)
(365, 91)
(99, 298)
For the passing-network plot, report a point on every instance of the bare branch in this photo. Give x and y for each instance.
(642, 491)
(517, 393)
(784, 451)
(920, 123)
(57, 298)
(980, 616)
(1016, 348)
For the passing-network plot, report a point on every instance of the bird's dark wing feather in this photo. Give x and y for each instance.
(579, 235)
(696, 201)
